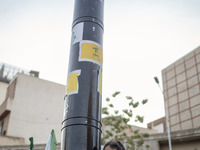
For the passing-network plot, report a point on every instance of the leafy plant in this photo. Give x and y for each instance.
(116, 123)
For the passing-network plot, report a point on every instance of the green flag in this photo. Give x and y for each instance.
(52, 143)
(31, 143)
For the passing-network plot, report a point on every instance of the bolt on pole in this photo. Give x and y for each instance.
(81, 126)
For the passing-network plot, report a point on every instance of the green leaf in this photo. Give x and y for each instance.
(145, 135)
(105, 111)
(115, 94)
(130, 103)
(128, 112)
(129, 97)
(108, 99)
(109, 133)
(125, 120)
(139, 118)
(137, 136)
(124, 134)
(147, 146)
(111, 105)
(136, 131)
(140, 142)
(116, 112)
(144, 101)
(135, 104)
(125, 110)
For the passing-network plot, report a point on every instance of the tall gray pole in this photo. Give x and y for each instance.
(166, 115)
(81, 127)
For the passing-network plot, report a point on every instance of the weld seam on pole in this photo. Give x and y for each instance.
(81, 124)
(88, 19)
(82, 117)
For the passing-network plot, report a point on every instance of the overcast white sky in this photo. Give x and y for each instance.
(141, 38)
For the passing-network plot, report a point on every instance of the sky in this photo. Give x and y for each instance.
(141, 37)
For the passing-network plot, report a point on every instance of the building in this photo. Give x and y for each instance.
(4, 81)
(7, 73)
(3, 88)
(159, 125)
(32, 107)
(181, 86)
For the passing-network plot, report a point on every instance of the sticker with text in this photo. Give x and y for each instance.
(90, 51)
(72, 82)
(77, 33)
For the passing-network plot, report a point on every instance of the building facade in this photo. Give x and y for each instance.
(181, 87)
(159, 125)
(7, 73)
(3, 83)
(32, 108)
(3, 89)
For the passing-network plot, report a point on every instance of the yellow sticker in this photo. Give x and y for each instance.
(72, 82)
(100, 83)
(91, 51)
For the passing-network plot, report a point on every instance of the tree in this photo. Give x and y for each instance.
(116, 123)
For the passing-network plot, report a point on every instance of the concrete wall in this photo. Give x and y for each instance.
(36, 109)
(6, 140)
(159, 125)
(181, 140)
(153, 145)
(185, 145)
(3, 89)
(26, 147)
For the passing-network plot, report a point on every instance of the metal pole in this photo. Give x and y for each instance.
(167, 122)
(166, 114)
(81, 127)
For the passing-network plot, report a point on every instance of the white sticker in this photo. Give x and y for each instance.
(77, 33)
(66, 108)
(100, 82)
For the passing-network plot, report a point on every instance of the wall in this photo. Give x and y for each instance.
(26, 147)
(181, 140)
(185, 145)
(3, 89)
(36, 109)
(6, 140)
(181, 83)
(159, 125)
